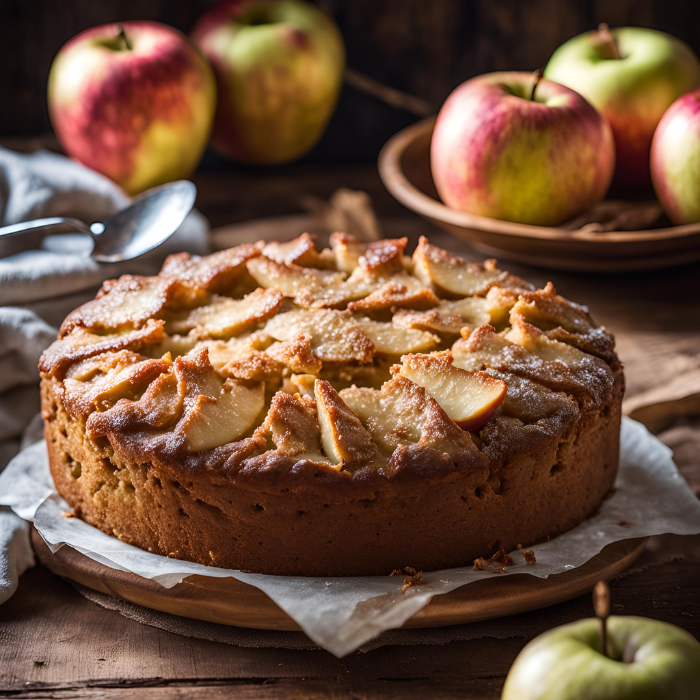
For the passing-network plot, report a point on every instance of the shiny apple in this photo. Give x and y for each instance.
(507, 150)
(675, 160)
(648, 660)
(631, 75)
(133, 101)
(279, 69)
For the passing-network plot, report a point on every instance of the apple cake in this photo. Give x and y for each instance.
(352, 410)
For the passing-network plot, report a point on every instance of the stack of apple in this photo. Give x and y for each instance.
(137, 101)
(612, 106)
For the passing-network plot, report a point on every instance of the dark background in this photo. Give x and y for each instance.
(423, 47)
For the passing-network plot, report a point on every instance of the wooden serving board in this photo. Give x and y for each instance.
(231, 602)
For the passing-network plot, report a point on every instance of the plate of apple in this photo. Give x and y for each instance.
(590, 165)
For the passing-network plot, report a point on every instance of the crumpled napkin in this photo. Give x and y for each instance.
(39, 287)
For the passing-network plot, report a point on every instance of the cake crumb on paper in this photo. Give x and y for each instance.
(497, 563)
(529, 556)
(413, 577)
(70, 513)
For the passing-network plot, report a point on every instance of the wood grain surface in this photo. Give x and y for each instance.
(55, 644)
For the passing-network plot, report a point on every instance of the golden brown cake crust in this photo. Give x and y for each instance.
(238, 410)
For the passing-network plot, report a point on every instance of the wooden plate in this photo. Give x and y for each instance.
(230, 602)
(404, 166)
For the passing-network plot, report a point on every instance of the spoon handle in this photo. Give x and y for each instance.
(44, 223)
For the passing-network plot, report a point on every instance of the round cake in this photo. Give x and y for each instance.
(281, 409)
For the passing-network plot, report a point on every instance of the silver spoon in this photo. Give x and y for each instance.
(146, 223)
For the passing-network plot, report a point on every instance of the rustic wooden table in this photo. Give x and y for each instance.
(55, 643)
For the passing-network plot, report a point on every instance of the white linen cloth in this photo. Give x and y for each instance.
(38, 288)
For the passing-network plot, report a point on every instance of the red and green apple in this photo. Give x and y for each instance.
(279, 69)
(134, 101)
(508, 147)
(631, 75)
(675, 160)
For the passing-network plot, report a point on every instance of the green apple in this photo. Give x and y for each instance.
(279, 69)
(134, 101)
(649, 660)
(631, 75)
(503, 151)
(675, 160)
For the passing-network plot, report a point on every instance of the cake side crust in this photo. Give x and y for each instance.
(213, 518)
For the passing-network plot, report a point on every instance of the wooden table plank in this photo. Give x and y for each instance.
(51, 635)
(53, 640)
(480, 689)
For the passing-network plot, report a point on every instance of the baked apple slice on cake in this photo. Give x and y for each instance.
(437, 267)
(339, 336)
(344, 438)
(299, 251)
(224, 317)
(468, 398)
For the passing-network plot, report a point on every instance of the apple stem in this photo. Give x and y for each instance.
(609, 40)
(124, 38)
(538, 77)
(601, 605)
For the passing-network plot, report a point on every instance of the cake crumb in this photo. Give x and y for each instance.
(520, 546)
(414, 580)
(497, 563)
(529, 557)
(70, 513)
(413, 577)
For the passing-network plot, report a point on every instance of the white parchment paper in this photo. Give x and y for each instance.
(341, 614)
